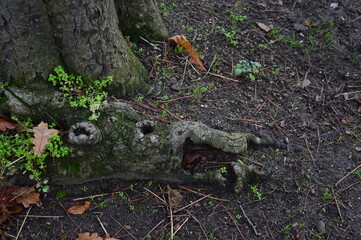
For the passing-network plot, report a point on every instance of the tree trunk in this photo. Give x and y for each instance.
(83, 36)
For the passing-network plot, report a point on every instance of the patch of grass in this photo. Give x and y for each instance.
(231, 32)
(166, 7)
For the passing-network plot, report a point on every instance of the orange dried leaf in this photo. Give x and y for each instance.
(41, 137)
(181, 41)
(79, 209)
(93, 236)
(27, 196)
(88, 236)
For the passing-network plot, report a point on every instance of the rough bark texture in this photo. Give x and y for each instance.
(27, 45)
(83, 36)
(141, 18)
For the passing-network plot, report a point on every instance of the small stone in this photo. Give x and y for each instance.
(334, 5)
(197, 205)
(299, 27)
(358, 149)
(321, 227)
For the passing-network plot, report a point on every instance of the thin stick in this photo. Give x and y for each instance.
(155, 227)
(172, 114)
(184, 222)
(151, 44)
(304, 204)
(190, 204)
(249, 221)
(348, 174)
(123, 228)
(171, 217)
(200, 225)
(248, 120)
(175, 99)
(309, 151)
(22, 224)
(235, 223)
(68, 215)
(208, 196)
(210, 66)
(155, 195)
(160, 119)
(39, 216)
(338, 207)
(268, 226)
(221, 76)
(93, 196)
(17, 160)
(101, 224)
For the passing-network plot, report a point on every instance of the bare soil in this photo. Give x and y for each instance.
(305, 95)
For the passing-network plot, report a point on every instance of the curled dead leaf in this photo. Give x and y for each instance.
(181, 41)
(175, 198)
(27, 196)
(79, 208)
(10, 124)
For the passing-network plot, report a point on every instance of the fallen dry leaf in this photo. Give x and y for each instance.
(264, 27)
(27, 196)
(93, 236)
(189, 158)
(175, 198)
(13, 198)
(79, 209)
(181, 41)
(41, 137)
(10, 124)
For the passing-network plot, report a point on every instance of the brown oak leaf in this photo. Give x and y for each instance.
(41, 137)
(27, 196)
(79, 209)
(181, 41)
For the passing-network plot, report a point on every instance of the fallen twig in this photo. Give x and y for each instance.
(249, 221)
(151, 44)
(155, 227)
(192, 203)
(268, 226)
(101, 224)
(348, 174)
(175, 99)
(172, 114)
(160, 119)
(338, 207)
(208, 196)
(235, 223)
(155, 195)
(22, 224)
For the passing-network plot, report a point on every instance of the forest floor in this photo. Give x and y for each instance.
(307, 93)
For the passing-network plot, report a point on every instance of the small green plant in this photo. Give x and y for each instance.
(238, 216)
(149, 183)
(256, 192)
(223, 170)
(60, 194)
(247, 67)
(140, 99)
(80, 94)
(230, 34)
(358, 174)
(286, 229)
(326, 195)
(84, 188)
(272, 32)
(17, 154)
(165, 8)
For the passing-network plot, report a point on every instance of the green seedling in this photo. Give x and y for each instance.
(80, 94)
(247, 67)
(223, 170)
(84, 188)
(256, 192)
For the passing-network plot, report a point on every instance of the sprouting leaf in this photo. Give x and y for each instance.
(9, 124)
(41, 137)
(182, 42)
(79, 209)
(93, 236)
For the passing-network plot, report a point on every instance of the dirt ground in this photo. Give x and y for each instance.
(307, 94)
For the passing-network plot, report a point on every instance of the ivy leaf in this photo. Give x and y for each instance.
(41, 137)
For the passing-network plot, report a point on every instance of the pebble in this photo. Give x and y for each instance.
(334, 5)
(321, 227)
(299, 27)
